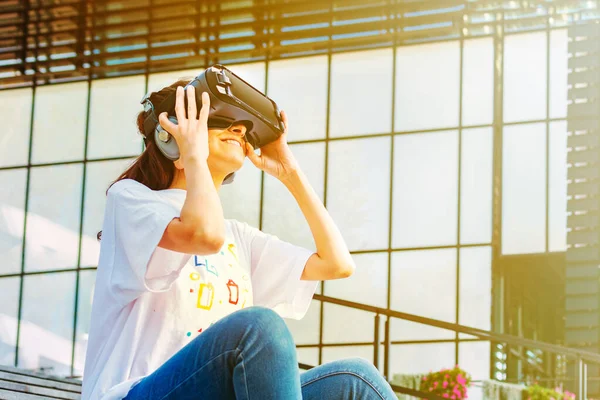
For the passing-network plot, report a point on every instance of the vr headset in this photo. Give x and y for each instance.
(232, 100)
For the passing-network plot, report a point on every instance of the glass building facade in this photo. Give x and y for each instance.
(436, 159)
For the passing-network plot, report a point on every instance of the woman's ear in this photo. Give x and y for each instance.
(178, 164)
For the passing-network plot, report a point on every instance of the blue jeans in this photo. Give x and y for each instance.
(250, 354)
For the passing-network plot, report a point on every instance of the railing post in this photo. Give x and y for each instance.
(386, 350)
(376, 342)
(580, 372)
(584, 381)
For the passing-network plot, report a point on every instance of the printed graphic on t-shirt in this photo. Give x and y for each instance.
(231, 248)
(218, 286)
(206, 295)
(233, 292)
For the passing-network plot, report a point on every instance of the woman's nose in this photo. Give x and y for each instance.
(239, 129)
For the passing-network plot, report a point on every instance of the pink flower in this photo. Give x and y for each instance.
(453, 397)
(435, 384)
(461, 379)
(424, 378)
(447, 376)
(445, 384)
(445, 395)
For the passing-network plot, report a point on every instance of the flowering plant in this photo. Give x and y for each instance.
(537, 392)
(447, 383)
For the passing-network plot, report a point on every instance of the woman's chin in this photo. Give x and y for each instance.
(234, 162)
(227, 161)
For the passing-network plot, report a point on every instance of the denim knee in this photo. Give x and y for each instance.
(358, 365)
(268, 325)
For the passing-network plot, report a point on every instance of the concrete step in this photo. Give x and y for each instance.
(20, 384)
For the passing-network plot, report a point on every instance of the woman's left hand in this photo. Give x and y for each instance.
(275, 158)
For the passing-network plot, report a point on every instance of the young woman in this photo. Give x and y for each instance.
(189, 305)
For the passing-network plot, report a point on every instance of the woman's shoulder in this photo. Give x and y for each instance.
(129, 191)
(129, 196)
(128, 184)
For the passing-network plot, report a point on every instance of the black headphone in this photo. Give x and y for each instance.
(164, 140)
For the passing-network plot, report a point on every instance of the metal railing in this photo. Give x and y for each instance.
(581, 357)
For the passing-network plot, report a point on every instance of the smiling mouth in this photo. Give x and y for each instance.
(233, 142)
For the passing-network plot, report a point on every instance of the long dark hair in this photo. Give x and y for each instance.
(151, 168)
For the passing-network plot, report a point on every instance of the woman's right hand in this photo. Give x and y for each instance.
(190, 133)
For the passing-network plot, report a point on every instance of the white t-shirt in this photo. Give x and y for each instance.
(150, 302)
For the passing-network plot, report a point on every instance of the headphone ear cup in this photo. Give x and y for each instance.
(165, 142)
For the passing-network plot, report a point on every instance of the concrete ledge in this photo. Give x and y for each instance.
(25, 385)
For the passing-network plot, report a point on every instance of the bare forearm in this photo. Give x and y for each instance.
(202, 209)
(330, 244)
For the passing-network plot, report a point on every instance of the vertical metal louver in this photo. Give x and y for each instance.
(582, 325)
